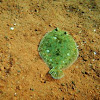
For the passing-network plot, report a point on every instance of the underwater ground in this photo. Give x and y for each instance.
(23, 74)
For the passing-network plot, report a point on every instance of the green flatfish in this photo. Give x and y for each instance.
(59, 51)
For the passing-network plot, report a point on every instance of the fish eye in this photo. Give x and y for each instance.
(57, 29)
(65, 33)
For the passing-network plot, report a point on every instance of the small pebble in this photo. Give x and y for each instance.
(89, 9)
(94, 30)
(93, 59)
(11, 28)
(41, 75)
(95, 53)
(76, 66)
(62, 84)
(14, 24)
(90, 64)
(31, 89)
(15, 94)
(84, 42)
(80, 31)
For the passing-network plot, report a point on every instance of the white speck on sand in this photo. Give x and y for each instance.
(11, 28)
(93, 59)
(14, 24)
(95, 53)
(94, 30)
(15, 94)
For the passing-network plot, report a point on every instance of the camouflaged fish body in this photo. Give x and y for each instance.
(59, 50)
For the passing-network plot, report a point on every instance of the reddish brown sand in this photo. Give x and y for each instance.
(23, 74)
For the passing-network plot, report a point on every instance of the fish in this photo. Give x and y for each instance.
(59, 51)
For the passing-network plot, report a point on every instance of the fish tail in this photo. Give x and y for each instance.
(56, 73)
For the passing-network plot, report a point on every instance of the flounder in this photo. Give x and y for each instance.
(59, 51)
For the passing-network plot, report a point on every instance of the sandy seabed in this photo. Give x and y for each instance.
(23, 74)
